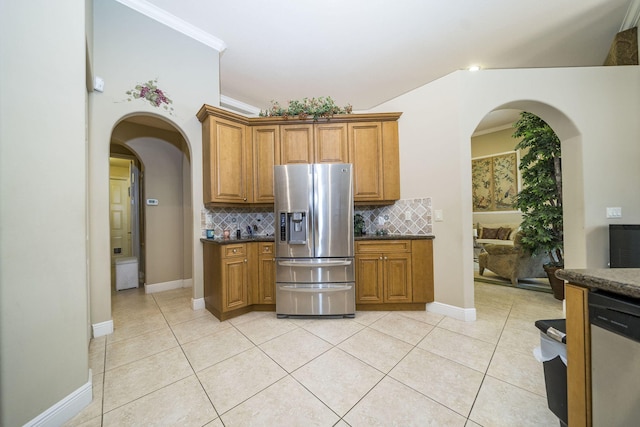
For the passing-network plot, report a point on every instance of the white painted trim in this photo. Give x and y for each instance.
(67, 408)
(164, 286)
(102, 328)
(632, 16)
(234, 104)
(465, 314)
(492, 130)
(197, 303)
(187, 283)
(178, 24)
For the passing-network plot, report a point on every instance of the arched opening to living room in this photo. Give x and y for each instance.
(501, 257)
(164, 223)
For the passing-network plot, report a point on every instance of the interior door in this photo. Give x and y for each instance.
(119, 218)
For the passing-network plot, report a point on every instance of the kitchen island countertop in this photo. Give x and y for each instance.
(623, 281)
(357, 238)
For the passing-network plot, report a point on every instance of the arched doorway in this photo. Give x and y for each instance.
(499, 124)
(165, 199)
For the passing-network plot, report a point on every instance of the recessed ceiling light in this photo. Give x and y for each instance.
(474, 68)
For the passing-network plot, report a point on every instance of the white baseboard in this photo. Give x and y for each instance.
(187, 283)
(102, 328)
(164, 286)
(465, 314)
(197, 303)
(65, 409)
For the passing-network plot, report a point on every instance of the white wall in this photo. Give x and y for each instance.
(130, 49)
(164, 223)
(594, 112)
(43, 250)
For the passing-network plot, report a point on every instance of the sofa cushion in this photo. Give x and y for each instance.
(489, 233)
(480, 226)
(503, 233)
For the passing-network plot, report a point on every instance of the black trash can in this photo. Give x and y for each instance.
(553, 355)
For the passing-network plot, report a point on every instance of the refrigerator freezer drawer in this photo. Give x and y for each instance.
(314, 270)
(334, 299)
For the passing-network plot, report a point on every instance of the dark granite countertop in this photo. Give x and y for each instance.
(358, 238)
(221, 241)
(395, 237)
(623, 281)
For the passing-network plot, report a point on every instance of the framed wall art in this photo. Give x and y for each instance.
(494, 182)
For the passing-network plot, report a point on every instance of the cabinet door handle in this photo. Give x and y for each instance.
(380, 258)
(245, 260)
(245, 199)
(386, 258)
(235, 250)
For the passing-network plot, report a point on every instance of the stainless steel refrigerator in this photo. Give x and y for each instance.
(314, 240)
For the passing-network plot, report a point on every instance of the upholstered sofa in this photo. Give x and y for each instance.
(511, 262)
(496, 234)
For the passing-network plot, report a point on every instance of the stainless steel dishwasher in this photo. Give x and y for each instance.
(615, 359)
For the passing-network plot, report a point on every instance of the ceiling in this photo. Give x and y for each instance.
(366, 52)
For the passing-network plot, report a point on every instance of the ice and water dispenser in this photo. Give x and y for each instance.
(293, 227)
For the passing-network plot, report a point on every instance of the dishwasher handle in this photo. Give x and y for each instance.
(616, 314)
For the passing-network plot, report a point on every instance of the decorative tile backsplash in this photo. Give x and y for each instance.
(259, 219)
(408, 216)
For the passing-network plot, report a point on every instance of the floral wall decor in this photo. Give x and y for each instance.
(151, 93)
(494, 182)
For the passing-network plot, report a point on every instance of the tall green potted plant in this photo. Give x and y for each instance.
(540, 200)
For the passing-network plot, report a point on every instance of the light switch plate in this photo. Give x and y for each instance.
(439, 216)
(98, 84)
(614, 212)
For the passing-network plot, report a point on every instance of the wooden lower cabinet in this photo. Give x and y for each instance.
(266, 280)
(226, 279)
(238, 278)
(579, 354)
(390, 275)
(390, 272)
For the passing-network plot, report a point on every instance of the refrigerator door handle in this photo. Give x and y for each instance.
(330, 288)
(314, 264)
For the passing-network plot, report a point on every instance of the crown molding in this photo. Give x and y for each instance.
(234, 104)
(633, 15)
(493, 130)
(172, 21)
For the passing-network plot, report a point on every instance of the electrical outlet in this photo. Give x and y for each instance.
(439, 216)
(407, 215)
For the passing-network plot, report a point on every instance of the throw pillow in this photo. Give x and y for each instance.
(503, 233)
(490, 233)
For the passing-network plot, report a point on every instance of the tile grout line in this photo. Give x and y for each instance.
(195, 374)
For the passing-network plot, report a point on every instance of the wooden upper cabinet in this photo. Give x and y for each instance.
(365, 149)
(375, 153)
(296, 144)
(266, 154)
(226, 156)
(331, 143)
(239, 153)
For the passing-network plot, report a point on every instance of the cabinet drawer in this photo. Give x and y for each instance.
(385, 246)
(265, 248)
(231, 251)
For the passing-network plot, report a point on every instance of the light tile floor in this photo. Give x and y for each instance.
(166, 364)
